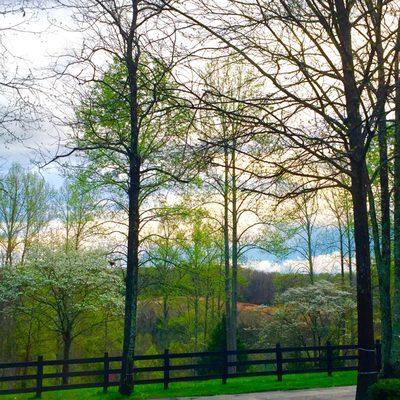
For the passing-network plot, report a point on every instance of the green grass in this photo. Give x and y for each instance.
(205, 388)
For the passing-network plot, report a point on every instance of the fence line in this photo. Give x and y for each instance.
(324, 359)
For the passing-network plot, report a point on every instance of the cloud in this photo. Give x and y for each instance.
(323, 263)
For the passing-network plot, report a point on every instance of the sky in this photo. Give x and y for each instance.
(33, 49)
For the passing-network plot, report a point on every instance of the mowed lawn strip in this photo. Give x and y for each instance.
(205, 388)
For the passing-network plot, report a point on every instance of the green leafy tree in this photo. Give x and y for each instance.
(81, 210)
(201, 264)
(66, 291)
(25, 210)
(217, 343)
(133, 130)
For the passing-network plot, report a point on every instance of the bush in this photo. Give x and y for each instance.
(385, 389)
(217, 343)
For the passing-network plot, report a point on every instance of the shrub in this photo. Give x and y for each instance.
(385, 389)
(217, 343)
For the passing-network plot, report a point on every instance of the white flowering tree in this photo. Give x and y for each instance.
(67, 291)
(314, 311)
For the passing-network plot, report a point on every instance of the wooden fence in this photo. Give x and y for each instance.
(48, 375)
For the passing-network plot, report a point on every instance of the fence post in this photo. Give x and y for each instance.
(224, 365)
(39, 376)
(279, 366)
(106, 372)
(166, 369)
(378, 349)
(329, 358)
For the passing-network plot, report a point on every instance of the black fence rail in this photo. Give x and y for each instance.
(103, 372)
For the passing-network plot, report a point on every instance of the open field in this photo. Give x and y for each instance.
(206, 388)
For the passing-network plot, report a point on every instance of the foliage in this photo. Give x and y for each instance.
(80, 209)
(309, 315)
(25, 209)
(69, 292)
(217, 343)
(385, 389)
(104, 120)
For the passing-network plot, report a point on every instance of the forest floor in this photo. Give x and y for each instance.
(205, 388)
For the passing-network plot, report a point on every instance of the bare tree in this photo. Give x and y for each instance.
(336, 200)
(18, 90)
(304, 216)
(225, 138)
(318, 60)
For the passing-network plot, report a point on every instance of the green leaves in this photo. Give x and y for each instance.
(163, 121)
(25, 209)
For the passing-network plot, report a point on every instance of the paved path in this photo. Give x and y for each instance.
(338, 393)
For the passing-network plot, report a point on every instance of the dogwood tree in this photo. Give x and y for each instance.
(66, 291)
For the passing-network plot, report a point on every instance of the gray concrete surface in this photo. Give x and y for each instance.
(338, 393)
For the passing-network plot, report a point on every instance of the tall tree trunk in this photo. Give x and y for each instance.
(105, 342)
(395, 354)
(229, 275)
(205, 330)
(234, 310)
(367, 373)
(385, 203)
(9, 251)
(227, 250)
(342, 329)
(196, 322)
(341, 250)
(384, 266)
(165, 322)
(132, 262)
(131, 282)
(349, 246)
(384, 286)
(309, 252)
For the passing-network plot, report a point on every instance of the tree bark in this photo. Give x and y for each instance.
(67, 342)
(165, 334)
(367, 373)
(196, 321)
(384, 287)
(228, 293)
(341, 249)
(385, 249)
(205, 330)
(234, 310)
(310, 252)
(349, 246)
(395, 351)
(132, 267)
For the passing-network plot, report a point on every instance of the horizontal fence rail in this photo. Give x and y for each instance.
(103, 372)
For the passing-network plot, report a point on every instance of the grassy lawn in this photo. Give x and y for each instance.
(206, 388)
